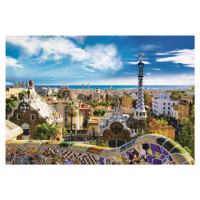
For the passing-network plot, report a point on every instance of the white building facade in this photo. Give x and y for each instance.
(162, 105)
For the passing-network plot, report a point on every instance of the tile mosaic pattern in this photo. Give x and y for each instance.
(147, 154)
(140, 101)
(145, 150)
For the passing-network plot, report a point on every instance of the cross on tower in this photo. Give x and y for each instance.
(24, 107)
(141, 55)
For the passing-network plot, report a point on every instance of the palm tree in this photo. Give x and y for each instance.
(46, 131)
(72, 110)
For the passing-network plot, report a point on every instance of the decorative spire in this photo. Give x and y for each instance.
(141, 55)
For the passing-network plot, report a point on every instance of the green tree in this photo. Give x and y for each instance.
(146, 98)
(10, 104)
(144, 128)
(99, 112)
(47, 131)
(149, 115)
(177, 95)
(111, 102)
(68, 125)
(160, 132)
(134, 103)
(21, 95)
(187, 133)
(104, 103)
(93, 103)
(64, 132)
(13, 97)
(59, 96)
(162, 122)
(102, 143)
(72, 110)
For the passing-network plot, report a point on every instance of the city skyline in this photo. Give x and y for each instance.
(100, 60)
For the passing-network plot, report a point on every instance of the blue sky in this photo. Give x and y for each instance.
(100, 60)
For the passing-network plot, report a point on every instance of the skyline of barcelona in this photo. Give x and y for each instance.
(100, 60)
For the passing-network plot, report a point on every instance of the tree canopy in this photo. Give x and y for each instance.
(10, 104)
(146, 98)
(93, 103)
(134, 103)
(177, 95)
(47, 131)
(187, 133)
(162, 122)
(99, 112)
(21, 95)
(72, 110)
(103, 103)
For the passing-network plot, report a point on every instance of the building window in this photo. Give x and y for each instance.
(182, 115)
(168, 108)
(168, 112)
(32, 117)
(187, 109)
(18, 117)
(164, 112)
(25, 128)
(163, 108)
(179, 113)
(163, 103)
(182, 108)
(179, 107)
(169, 104)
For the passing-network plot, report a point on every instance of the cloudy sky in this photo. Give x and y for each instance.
(103, 60)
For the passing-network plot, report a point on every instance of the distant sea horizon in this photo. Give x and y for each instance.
(113, 86)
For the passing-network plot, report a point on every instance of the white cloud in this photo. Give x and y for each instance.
(128, 73)
(148, 73)
(162, 54)
(184, 56)
(30, 44)
(148, 80)
(103, 57)
(135, 63)
(155, 68)
(8, 83)
(12, 62)
(80, 39)
(184, 76)
(149, 47)
(88, 69)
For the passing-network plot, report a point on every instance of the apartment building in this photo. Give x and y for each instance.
(162, 104)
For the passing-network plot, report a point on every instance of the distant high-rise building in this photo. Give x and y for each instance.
(88, 86)
(82, 86)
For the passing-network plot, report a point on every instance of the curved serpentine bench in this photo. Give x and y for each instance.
(147, 149)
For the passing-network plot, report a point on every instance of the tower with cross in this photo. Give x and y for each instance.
(140, 113)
